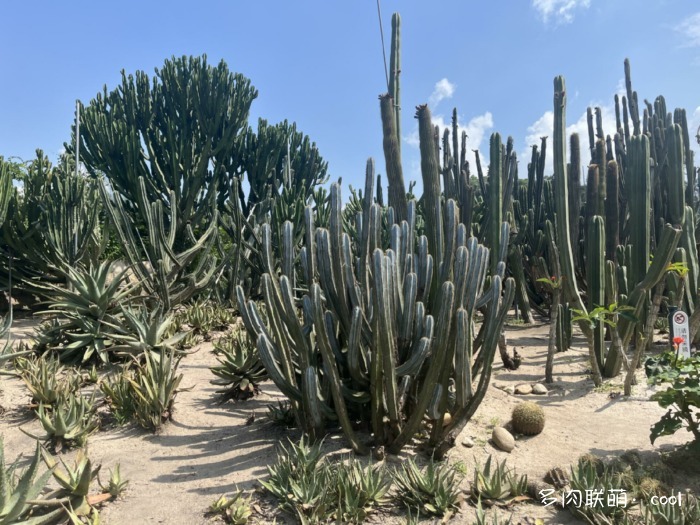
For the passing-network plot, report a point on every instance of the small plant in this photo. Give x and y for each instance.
(119, 395)
(221, 317)
(116, 485)
(299, 483)
(281, 414)
(585, 480)
(682, 397)
(47, 380)
(239, 370)
(19, 490)
(359, 490)
(499, 483)
(90, 377)
(235, 510)
(200, 316)
(434, 489)
(154, 389)
(86, 315)
(69, 422)
(145, 331)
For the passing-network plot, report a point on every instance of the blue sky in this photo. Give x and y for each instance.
(319, 63)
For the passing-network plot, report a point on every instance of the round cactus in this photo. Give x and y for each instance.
(528, 418)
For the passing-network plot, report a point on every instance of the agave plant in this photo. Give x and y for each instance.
(118, 392)
(498, 483)
(359, 490)
(434, 489)
(239, 370)
(87, 314)
(235, 510)
(74, 483)
(19, 490)
(154, 389)
(69, 422)
(47, 380)
(144, 331)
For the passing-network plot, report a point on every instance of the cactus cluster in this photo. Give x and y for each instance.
(386, 332)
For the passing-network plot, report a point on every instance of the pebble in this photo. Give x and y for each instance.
(523, 389)
(539, 389)
(503, 439)
(468, 442)
(509, 390)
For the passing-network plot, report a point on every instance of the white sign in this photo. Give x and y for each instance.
(679, 328)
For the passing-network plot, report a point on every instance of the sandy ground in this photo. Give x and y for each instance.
(209, 450)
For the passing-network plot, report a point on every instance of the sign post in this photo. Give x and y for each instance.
(678, 323)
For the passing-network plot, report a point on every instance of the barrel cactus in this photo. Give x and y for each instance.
(528, 418)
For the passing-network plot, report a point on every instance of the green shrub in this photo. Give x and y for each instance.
(682, 397)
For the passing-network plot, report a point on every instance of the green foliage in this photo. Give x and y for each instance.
(433, 490)
(681, 397)
(52, 224)
(145, 331)
(116, 485)
(86, 315)
(235, 510)
(317, 491)
(585, 479)
(499, 483)
(17, 489)
(47, 380)
(482, 520)
(239, 370)
(118, 393)
(154, 387)
(68, 422)
(685, 512)
(281, 414)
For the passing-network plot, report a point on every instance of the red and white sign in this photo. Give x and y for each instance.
(680, 328)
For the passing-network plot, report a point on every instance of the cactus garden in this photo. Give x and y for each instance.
(201, 323)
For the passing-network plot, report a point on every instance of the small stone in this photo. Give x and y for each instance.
(523, 389)
(539, 389)
(468, 442)
(509, 390)
(503, 439)
(447, 419)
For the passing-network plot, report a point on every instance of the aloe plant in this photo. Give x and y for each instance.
(86, 314)
(240, 370)
(68, 422)
(18, 490)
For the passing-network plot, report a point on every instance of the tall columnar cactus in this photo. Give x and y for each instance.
(561, 193)
(381, 351)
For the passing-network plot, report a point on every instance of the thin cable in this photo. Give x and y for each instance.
(381, 34)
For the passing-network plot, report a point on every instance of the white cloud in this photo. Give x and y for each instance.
(477, 128)
(544, 127)
(690, 30)
(562, 11)
(444, 89)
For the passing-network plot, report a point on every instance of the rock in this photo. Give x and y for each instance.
(503, 439)
(447, 419)
(523, 389)
(539, 389)
(509, 390)
(468, 442)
